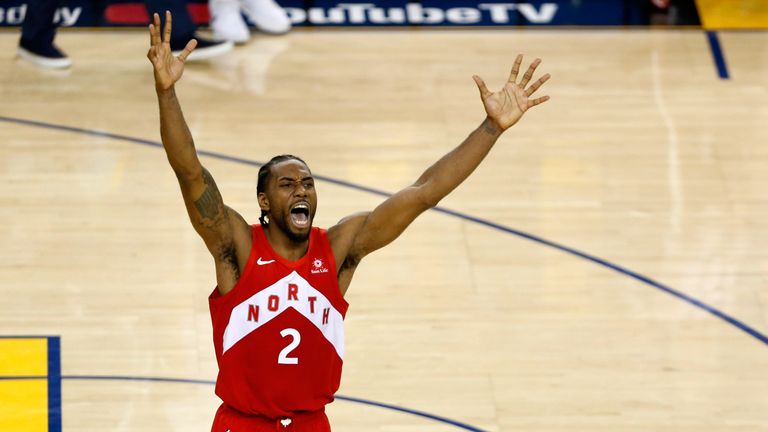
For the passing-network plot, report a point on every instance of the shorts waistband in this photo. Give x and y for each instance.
(282, 422)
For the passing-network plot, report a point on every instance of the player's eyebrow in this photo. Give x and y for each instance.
(291, 178)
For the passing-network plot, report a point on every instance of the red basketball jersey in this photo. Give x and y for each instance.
(279, 334)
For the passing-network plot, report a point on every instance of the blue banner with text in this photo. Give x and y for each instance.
(377, 13)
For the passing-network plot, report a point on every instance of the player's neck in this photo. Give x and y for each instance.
(283, 245)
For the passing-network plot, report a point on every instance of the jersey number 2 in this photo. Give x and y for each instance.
(296, 339)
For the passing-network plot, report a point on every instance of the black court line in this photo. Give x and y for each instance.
(599, 261)
(339, 397)
(23, 378)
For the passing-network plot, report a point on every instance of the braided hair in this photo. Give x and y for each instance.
(264, 174)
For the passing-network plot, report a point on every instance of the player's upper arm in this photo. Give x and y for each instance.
(222, 229)
(367, 232)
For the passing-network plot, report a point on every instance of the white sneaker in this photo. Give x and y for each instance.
(267, 15)
(226, 21)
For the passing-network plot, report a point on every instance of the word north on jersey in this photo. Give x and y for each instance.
(292, 291)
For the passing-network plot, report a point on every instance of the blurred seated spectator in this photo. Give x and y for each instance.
(38, 32)
(228, 24)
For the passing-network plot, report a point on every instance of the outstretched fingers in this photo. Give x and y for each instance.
(168, 20)
(154, 31)
(188, 50)
(484, 92)
(534, 102)
(535, 86)
(515, 68)
(529, 73)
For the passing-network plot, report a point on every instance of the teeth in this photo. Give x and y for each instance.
(302, 205)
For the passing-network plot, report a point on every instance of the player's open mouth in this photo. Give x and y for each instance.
(300, 214)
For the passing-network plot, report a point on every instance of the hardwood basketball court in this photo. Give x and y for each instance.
(645, 165)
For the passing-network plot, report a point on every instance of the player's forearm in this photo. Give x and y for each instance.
(453, 168)
(177, 140)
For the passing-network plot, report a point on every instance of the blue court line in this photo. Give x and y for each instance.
(410, 411)
(604, 263)
(134, 378)
(717, 54)
(339, 397)
(54, 384)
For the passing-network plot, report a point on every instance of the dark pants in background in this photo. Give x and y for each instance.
(38, 29)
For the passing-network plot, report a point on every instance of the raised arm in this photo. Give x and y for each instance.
(362, 234)
(225, 233)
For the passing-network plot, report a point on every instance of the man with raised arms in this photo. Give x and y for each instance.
(278, 307)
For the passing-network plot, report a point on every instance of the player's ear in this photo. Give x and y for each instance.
(263, 201)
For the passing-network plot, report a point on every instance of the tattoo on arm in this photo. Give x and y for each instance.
(210, 204)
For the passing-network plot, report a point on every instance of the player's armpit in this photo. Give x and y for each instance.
(367, 232)
(341, 237)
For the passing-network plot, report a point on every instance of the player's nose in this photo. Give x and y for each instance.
(300, 190)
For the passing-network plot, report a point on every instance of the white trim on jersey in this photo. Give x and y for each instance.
(292, 291)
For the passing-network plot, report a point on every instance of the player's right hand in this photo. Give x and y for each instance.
(168, 68)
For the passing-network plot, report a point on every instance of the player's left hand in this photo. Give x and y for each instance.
(506, 106)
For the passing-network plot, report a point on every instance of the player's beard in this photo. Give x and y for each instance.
(286, 226)
(299, 237)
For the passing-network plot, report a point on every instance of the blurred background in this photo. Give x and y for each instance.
(604, 269)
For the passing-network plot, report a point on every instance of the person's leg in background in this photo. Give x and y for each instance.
(227, 22)
(37, 34)
(184, 29)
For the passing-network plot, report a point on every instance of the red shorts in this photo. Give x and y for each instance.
(230, 420)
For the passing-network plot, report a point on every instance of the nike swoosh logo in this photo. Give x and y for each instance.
(260, 262)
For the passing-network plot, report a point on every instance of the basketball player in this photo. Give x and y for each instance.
(279, 305)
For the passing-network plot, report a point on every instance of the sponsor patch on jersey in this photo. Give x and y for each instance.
(318, 266)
